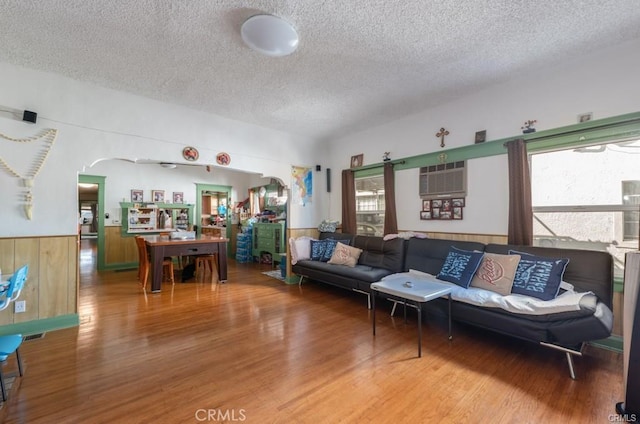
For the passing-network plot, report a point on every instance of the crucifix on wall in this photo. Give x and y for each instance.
(441, 134)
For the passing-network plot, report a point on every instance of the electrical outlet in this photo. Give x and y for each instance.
(20, 306)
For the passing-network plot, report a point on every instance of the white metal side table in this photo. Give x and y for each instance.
(415, 293)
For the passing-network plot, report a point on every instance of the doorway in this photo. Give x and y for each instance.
(91, 222)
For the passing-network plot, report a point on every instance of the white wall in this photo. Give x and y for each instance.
(96, 123)
(604, 83)
(123, 176)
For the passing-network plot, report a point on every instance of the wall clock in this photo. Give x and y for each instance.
(190, 153)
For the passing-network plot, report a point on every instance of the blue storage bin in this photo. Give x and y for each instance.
(283, 267)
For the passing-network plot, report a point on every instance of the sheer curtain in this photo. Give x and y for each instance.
(520, 205)
(348, 202)
(390, 215)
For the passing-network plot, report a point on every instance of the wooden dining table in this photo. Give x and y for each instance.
(161, 246)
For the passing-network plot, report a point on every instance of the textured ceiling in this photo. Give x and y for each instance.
(359, 62)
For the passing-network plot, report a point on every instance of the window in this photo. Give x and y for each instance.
(587, 198)
(631, 196)
(370, 205)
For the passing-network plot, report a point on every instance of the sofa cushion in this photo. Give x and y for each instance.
(496, 273)
(428, 255)
(322, 250)
(345, 255)
(460, 266)
(300, 248)
(587, 270)
(359, 272)
(378, 253)
(537, 276)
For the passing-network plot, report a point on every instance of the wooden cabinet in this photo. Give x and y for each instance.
(142, 218)
(268, 238)
(214, 231)
(155, 217)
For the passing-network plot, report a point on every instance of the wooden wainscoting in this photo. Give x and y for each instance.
(295, 233)
(480, 238)
(51, 289)
(119, 249)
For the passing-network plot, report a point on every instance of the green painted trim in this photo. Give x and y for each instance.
(582, 134)
(291, 279)
(198, 211)
(100, 181)
(618, 285)
(41, 325)
(124, 266)
(614, 343)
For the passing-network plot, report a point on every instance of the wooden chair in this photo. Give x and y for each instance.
(207, 261)
(143, 267)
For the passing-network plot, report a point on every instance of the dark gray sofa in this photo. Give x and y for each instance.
(379, 258)
(568, 331)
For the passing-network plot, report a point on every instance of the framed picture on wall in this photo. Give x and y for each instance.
(426, 205)
(137, 196)
(178, 197)
(157, 196)
(357, 160)
(457, 202)
(457, 213)
(425, 215)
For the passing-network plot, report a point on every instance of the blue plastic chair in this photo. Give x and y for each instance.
(9, 345)
(14, 287)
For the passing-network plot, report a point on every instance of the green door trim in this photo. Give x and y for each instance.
(100, 181)
(200, 188)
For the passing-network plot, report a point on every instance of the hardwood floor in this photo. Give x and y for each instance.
(258, 351)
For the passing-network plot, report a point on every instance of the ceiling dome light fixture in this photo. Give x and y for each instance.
(269, 35)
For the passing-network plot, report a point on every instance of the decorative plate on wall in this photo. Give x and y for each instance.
(190, 153)
(223, 159)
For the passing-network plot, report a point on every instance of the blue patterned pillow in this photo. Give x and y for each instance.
(322, 250)
(317, 249)
(537, 276)
(329, 247)
(460, 266)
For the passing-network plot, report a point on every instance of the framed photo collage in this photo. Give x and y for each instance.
(442, 209)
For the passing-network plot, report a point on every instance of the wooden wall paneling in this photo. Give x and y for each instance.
(7, 258)
(54, 277)
(481, 238)
(27, 253)
(295, 233)
(618, 313)
(119, 249)
(73, 284)
(7, 253)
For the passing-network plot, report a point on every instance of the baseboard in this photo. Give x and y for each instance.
(41, 325)
(613, 343)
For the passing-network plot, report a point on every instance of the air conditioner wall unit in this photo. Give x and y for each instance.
(444, 180)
